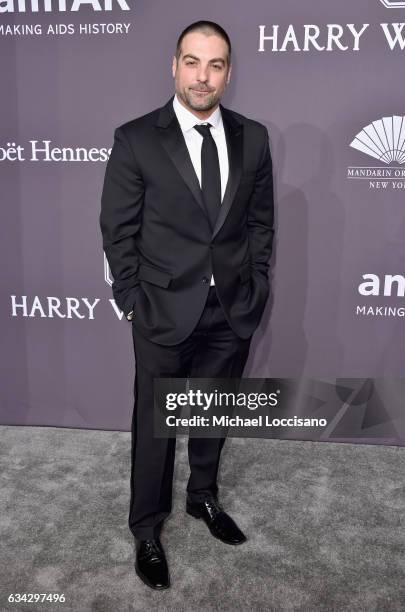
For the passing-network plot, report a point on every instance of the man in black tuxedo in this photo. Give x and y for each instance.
(187, 226)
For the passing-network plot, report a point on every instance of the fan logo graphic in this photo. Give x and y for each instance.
(393, 3)
(384, 140)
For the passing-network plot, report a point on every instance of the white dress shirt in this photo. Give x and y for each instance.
(194, 141)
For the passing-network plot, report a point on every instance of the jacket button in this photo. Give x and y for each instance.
(205, 279)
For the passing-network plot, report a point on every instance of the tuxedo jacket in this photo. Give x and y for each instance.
(157, 236)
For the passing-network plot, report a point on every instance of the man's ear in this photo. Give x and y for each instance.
(228, 78)
(174, 66)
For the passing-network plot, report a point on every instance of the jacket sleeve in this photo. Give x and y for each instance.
(261, 214)
(120, 219)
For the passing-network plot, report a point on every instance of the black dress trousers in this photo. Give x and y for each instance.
(211, 350)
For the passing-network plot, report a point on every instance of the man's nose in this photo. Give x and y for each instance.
(202, 74)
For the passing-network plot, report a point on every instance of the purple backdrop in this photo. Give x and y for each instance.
(66, 84)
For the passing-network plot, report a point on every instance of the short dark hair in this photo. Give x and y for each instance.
(206, 27)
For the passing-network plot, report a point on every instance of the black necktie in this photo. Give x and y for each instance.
(210, 173)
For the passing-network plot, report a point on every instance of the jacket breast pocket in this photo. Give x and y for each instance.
(154, 275)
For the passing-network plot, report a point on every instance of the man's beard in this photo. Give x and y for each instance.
(199, 104)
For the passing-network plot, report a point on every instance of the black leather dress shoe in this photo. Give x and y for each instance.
(151, 564)
(220, 524)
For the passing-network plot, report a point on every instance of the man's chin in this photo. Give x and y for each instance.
(201, 104)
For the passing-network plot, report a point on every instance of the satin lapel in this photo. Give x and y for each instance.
(173, 141)
(234, 143)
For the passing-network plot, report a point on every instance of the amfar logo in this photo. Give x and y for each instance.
(50, 6)
(389, 285)
(393, 3)
(384, 140)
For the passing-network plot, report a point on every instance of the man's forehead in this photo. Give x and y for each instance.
(200, 44)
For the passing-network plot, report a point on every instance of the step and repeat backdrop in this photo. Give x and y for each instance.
(326, 78)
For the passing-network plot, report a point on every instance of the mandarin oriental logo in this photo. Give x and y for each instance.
(383, 140)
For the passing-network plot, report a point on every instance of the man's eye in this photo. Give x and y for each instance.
(190, 63)
(217, 67)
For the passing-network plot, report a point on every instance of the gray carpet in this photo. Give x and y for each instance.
(325, 523)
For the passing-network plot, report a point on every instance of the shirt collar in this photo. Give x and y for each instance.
(188, 120)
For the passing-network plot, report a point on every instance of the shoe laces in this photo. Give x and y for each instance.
(213, 506)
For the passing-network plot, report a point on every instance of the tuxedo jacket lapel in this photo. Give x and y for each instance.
(173, 141)
(234, 143)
